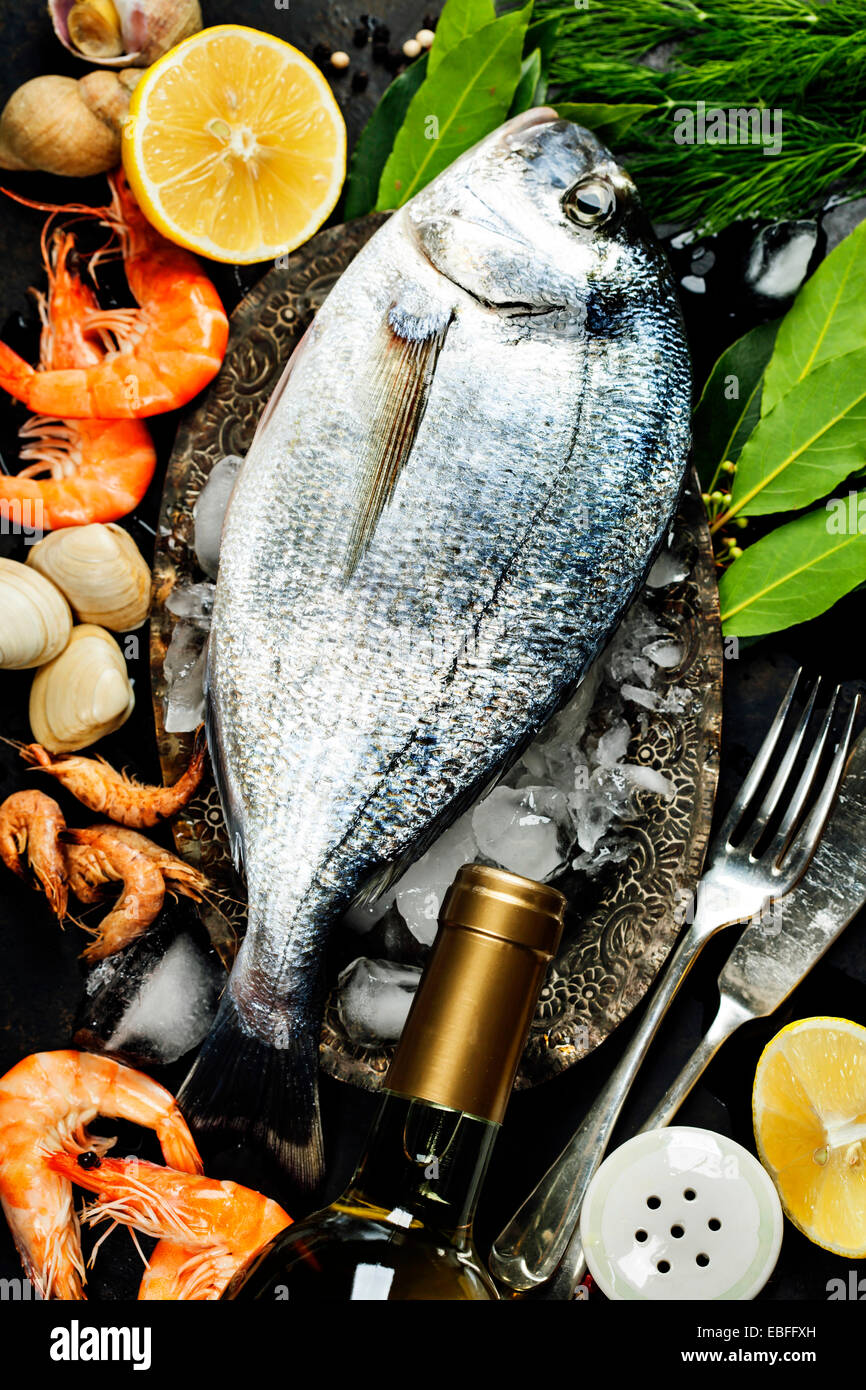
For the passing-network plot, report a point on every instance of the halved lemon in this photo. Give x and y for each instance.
(234, 146)
(809, 1112)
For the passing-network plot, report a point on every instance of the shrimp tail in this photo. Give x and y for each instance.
(16, 375)
(243, 1084)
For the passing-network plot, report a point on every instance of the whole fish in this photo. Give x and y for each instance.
(452, 496)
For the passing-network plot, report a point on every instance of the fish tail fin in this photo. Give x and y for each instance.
(260, 1091)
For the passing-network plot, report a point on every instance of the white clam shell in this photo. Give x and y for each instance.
(149, 29)
(83, 694)
(100, 570)
(35, 621)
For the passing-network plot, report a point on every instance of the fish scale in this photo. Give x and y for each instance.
(452, 496)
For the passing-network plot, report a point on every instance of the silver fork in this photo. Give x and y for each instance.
(738, 883)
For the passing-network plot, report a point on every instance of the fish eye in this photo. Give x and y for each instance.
(590, 203)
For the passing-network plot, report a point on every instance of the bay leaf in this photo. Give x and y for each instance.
(808, 443)
(796, 572)
(459, 19)
(377, 140)
(826, 320)
(610, 122)
(530, 77)
(464, 99)
(729, 406)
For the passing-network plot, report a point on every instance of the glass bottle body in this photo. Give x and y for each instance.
(403, 1227)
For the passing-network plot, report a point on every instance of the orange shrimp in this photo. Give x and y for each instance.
(95, 783)
(46, 1102)
(92, 861)
(32, 823)
(98, 470)
(178, 875)
(207, 1230)
(168, 349)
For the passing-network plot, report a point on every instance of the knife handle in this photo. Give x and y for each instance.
(728, 1019)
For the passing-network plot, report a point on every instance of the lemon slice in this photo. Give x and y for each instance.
(809, 1111)
(235, 146)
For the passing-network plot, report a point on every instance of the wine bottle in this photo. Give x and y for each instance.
(403, 1227)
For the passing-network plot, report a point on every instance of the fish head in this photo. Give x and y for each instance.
(538, 221)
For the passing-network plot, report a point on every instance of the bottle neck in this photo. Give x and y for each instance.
(423, 1162)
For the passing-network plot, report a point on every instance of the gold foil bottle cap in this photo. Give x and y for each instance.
(469, 1021)
(506, 906)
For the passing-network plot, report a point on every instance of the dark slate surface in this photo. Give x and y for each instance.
(40, 978)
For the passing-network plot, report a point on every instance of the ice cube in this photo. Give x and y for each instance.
(780, 257)
(646, 698)
(420, 891)
(649, 780)
(210, 509)
(515, 828)
(612, 745)
(184, 670)
(174, 1007)
(666, 654)
(668, 569)
(193, 602)
(374, 997)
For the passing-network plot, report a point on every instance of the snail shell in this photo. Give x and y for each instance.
(83, 694)
(100, 570)
(148, 28)
(35, 621)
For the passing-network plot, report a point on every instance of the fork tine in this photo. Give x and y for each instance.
(759, 766)
(780, 781)
(803, 847)
(780, 840)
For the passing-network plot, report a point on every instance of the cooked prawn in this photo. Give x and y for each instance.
(97, 470)
(178, 875)
(46, 1102)
(167, 349)
(31, 823)
(95, 783)
(92, 861)
(207, 1229)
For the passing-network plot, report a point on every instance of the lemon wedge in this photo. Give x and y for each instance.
(809, 1112)
(234, 146)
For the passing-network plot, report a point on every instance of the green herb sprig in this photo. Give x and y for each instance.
(805, 60)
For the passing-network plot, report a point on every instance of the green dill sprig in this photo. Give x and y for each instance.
(805, 61)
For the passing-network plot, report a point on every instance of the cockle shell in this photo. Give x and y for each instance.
(35, 621)
(83, 694)
(148, 28)
(100, 570)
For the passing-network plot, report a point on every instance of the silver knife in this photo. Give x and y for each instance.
(772, 956)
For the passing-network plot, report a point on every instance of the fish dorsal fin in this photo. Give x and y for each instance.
(405, 356)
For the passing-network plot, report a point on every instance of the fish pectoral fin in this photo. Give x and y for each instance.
(404, 365)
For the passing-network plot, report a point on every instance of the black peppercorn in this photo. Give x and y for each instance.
(360, 37)
(321, 55)
(380, 53)
(383, 33)
(359, 81)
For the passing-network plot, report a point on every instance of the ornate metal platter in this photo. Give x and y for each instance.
(622, 923)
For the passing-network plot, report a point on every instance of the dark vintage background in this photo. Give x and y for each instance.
(40, 975)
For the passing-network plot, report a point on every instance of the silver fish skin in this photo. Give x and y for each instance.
(453, 494)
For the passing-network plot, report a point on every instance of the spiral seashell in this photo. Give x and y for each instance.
(121, 33)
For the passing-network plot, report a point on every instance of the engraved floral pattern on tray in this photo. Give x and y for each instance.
(619, 934)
